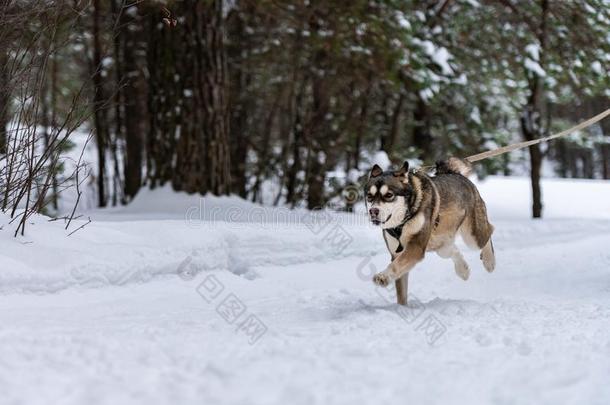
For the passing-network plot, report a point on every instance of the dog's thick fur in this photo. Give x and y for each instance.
(421, 213)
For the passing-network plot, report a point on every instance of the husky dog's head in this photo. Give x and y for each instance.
(387, 196)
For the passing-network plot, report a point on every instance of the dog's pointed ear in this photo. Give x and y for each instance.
(403, 170)
(376, 171)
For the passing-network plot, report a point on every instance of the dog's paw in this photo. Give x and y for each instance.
(463, 271)
(382, 279)
(489, 260)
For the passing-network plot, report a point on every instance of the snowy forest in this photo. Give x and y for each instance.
(286, 102)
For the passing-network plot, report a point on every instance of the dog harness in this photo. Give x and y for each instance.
(395, 233)
(397, 230)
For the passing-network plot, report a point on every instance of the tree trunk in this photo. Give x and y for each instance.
(54, 108)
(47, 130)
(394, 130)
(296, 101)
(134, 99)
(165, 104)
(605, 161)
(562, 157)
(536, 164)
(605, 149)
(264, 150)
(295, 167)
(117, 184)
(203, 152)
(422, 137)
(588, 166)
(315, 182)
(316, 168)
(531, 118)
(317, 133)
(238, 53)
(530, 128)
(4, 98)
(100, 118)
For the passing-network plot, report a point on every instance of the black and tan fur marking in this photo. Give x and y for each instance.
(421, 213)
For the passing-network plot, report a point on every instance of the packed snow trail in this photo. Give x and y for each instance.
(536, 331)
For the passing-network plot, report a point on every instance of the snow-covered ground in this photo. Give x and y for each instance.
(181, 300)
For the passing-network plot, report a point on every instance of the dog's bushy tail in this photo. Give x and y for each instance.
(454, 165)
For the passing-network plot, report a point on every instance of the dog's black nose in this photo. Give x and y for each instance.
(374, 212)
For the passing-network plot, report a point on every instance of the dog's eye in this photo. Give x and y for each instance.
(389, 196)
(370, 197)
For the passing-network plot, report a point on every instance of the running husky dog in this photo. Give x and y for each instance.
(420, 213)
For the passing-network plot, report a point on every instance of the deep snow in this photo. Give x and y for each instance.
(181, 300)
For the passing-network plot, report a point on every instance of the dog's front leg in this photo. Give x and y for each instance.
(402, 264)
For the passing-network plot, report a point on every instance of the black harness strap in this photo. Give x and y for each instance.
(395, 233)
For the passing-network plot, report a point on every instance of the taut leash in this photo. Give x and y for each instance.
(509, 148)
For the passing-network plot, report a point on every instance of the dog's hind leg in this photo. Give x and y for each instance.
(488, 256)
(476, 232)
(461, 267)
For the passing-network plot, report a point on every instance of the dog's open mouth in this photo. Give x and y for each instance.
(378, 222)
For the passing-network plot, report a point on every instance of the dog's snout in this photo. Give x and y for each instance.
(374, 212)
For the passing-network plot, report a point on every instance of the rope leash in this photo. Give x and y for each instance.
(509, 148)
(520, 145)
